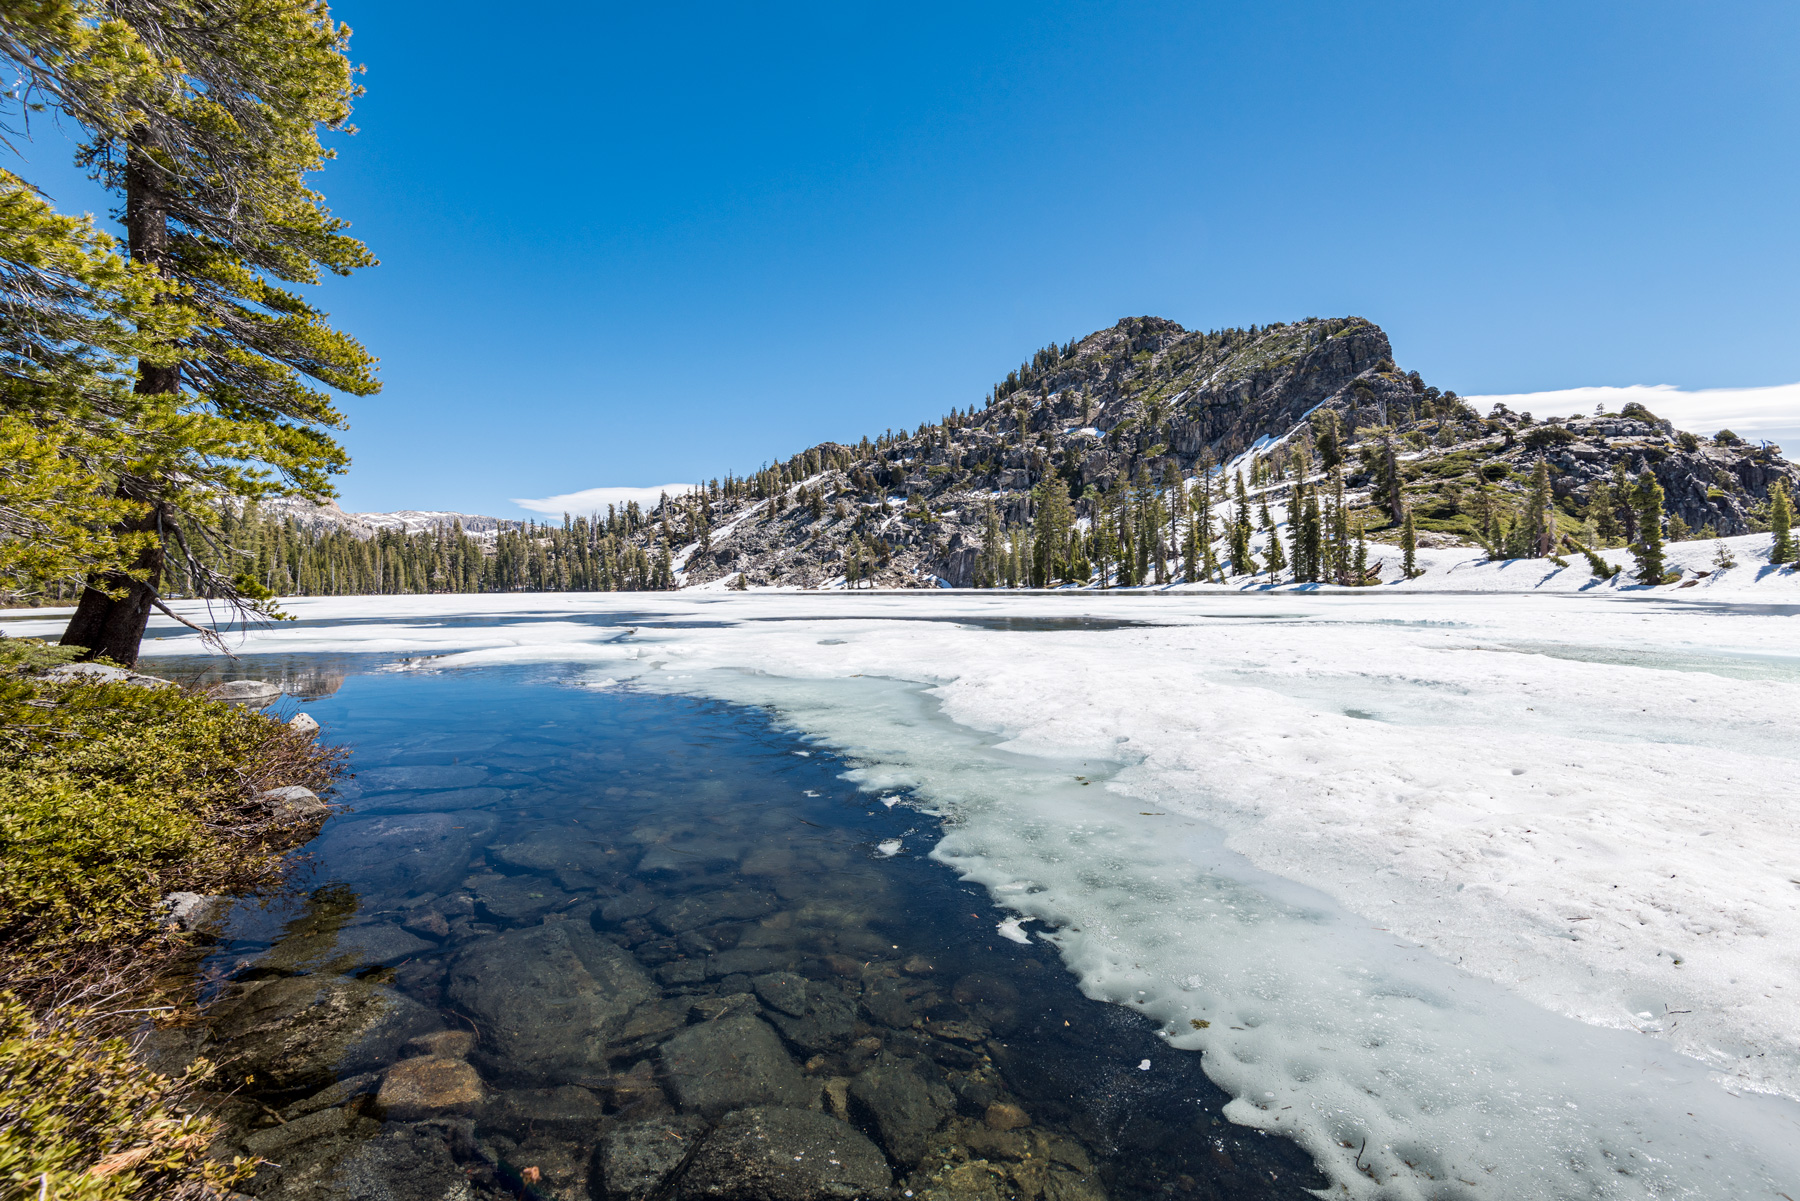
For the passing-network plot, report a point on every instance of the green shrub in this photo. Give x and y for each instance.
(82, 1120)
(113, 796)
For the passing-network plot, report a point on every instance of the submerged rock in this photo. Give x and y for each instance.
(770, 1154)
(430, 802)
(826, 1024)
(515, 899)
(624, 908)
(548, 851)
(637, 1159)
(344, 950)
(299, 1031)
(429, 1086)
(423, 853)
(783, 991)
(567, 1110)
(711, 908)
(728, 1064)
(366, 1162)
(903, 1108)
(547, 999)
(751, 961)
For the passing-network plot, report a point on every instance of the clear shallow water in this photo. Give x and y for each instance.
(725, 862)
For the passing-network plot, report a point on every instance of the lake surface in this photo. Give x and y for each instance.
(1466, 896)
(732, 883)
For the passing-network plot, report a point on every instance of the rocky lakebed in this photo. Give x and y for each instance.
(575, 943)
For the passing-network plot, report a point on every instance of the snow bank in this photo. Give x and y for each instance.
(1495, 889)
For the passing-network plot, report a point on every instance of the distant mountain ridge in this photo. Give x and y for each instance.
(1115, 433)
(329, 516)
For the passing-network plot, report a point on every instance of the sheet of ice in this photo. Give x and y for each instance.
(1384, 846)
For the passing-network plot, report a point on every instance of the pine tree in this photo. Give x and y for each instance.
(1203, 505)
(1337, 533)
(1326, 439)
(1392, 478)
(1781, 522)
(1409, 547)
(1647, 499)
(1276, 557)
(1540, 520)
(1052, 519)
(1175, 503)
(209, 135)
(1601, 509)
(1623, 505)
(988, 562)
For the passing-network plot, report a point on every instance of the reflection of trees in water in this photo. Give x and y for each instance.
(310, 684)
(309, 681)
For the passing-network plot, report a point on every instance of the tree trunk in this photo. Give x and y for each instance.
(1393, 473)
(103, 625)
(113, 628)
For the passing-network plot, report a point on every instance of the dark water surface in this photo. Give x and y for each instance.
(653, 948)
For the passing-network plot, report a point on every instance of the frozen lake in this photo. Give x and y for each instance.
(1483, 896)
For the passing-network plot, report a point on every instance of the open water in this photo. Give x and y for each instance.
(610, 921)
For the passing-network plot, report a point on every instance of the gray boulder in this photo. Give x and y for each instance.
(548, 1000)
(731, 1063)
(102, 673)
(767, 1154)
(190, 910)
(252, 694)
(299, 1031)
(903, 1108)
(294, 801)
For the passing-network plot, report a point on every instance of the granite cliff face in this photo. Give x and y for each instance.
(1146, 401)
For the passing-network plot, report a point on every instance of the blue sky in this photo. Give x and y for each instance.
(625, 245)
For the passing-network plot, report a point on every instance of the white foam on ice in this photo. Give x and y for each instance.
(1385, 849)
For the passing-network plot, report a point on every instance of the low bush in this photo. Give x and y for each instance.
(112, 796)
(82, 1119)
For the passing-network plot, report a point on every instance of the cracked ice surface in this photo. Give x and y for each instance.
(1486, 896)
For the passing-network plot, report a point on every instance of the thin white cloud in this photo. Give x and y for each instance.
(595, 500)
(1772, 413)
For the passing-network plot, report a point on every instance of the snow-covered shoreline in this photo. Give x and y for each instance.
(1586, 800)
